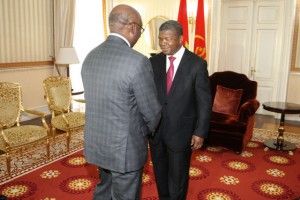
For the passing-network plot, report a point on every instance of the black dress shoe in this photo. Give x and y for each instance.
(2, 197)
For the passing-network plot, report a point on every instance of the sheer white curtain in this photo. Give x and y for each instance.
(89, 33)
(63, 20)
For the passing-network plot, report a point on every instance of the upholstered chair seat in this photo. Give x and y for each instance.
(22, 135)
(221, 121)
(233, 111)
(75, 119)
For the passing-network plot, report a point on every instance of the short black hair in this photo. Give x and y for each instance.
(172, 25)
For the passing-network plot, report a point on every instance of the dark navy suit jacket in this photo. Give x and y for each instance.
(187, 107)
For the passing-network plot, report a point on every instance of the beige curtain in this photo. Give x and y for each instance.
(63, 20)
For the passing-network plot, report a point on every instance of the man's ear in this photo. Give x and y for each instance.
(132, 29)
(181, 38)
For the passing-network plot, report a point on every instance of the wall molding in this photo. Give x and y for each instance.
(25, 64)
(292, 118)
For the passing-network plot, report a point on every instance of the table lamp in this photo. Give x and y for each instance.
(65, 57)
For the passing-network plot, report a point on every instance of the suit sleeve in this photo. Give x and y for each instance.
(146, 96)
(204, 99)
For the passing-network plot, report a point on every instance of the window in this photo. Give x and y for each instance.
(88, 33)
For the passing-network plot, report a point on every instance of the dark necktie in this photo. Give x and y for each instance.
(170, 73)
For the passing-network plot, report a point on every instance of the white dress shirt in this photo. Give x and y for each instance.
(178, 55)
(120, 36)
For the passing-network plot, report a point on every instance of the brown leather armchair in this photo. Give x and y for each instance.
(234, 108)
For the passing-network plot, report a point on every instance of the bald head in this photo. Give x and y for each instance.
(124, 20)
(122, 15)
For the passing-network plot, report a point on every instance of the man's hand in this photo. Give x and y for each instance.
(196, 142)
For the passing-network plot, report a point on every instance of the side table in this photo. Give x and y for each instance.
(283, 108)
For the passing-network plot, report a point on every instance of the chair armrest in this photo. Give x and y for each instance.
(2, 127)
(65, 119)
(40, 114)
(248, 109)
(79, 100)
(57, 109)
(62, 112)
(4, 144)
(35, 112)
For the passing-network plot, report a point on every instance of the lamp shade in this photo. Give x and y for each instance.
(66, 55)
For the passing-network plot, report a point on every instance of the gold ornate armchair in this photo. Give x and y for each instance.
(13, 135)
(58, 91)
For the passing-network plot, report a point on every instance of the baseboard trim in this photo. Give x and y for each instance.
(26, 116)
(287, 117)
(292, 117)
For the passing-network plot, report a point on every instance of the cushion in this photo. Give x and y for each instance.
(227, 100)
(20, 135)
(75, 120)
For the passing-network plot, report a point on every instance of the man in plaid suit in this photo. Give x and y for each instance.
(122, 107)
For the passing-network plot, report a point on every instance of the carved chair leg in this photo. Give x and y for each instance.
(68, 141)
(48, 149)
(53, 133)
(8, 159)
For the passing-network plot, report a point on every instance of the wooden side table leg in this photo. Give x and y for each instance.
(280, 138)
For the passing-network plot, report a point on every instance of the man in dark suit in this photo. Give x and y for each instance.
(122, 107)
(185, 115)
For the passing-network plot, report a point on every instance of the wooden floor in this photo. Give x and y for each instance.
(261, 121)
(270, 123)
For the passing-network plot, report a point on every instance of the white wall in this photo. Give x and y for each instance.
(293, 94)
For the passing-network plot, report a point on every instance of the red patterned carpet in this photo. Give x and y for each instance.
(215, 174)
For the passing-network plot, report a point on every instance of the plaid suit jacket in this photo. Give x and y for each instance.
(122, 106)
